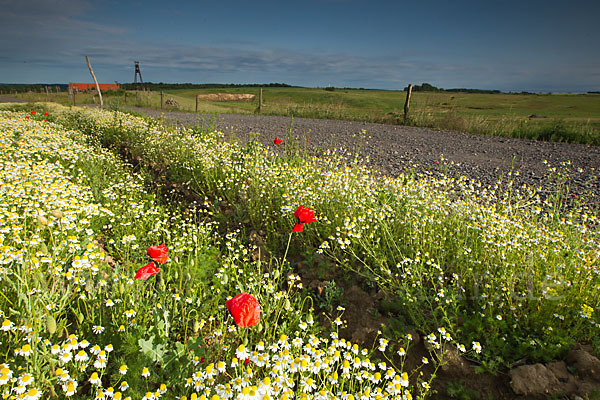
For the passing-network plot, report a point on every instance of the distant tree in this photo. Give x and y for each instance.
(424, 87)
(169, 86)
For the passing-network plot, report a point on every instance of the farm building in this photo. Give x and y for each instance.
(82, 87)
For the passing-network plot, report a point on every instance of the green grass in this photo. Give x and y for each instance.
(559, 117)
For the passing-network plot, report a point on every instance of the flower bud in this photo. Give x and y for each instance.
(57, 214)
(50, 324)
(42, 221)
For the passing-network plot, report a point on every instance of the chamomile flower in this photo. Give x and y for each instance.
(241, 352)
(7, 325)
(65, 357)
(32, 394)
(25, 351)
(81, 356)
(97, 329)
(383, 343)
(25, 379)
(70, 388)
(95, 379)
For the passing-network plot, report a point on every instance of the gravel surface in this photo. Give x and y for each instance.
(396, 149)
(6, 99)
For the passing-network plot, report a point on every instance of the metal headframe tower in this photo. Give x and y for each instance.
(138, 72)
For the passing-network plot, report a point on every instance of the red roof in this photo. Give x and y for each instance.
(82, 87)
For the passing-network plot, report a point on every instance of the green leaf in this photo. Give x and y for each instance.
(155, 352)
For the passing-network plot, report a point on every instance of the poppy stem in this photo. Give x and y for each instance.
(287, 248)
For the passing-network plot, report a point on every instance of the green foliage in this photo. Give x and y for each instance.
(331, 297)
(458, 390)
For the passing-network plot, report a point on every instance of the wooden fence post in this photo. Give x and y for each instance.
(161, 99)
(260, 100)
(407, 103)
(74, 97)
(197, 98)
(95, 81)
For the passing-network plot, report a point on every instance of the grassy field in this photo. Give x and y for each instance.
(551, 117)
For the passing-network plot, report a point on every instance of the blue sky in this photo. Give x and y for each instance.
(508, 45)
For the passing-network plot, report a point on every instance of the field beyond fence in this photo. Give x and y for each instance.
(550, 117)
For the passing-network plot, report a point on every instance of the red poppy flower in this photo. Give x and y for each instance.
(27, 117)
(33, 112)
(245, 309)
(146, 272)
(277, 141)
(46, 114)
(160, 254)
(303, 216)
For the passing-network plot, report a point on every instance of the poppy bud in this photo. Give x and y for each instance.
(50, 324)
(42, 221)
(57, 214)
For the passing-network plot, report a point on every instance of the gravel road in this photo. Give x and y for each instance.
(395, 149)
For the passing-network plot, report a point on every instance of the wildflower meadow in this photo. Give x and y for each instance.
(126, 269)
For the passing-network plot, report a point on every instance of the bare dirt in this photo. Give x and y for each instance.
(227, 97)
